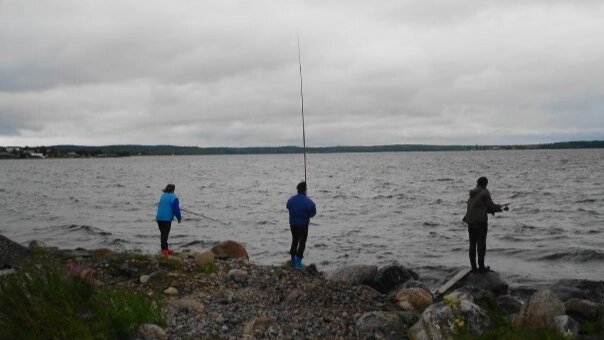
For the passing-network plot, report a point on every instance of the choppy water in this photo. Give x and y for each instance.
(373, 208)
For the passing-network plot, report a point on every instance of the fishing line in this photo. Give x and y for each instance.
(302, 99)
(204, 216)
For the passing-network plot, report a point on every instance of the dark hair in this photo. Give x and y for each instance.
(482, 182)
(170, 188)
(301, 187)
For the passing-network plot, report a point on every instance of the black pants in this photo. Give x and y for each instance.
(478, 243)
(299, 235)
(164, 228)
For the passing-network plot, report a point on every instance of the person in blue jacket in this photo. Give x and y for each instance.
(167, 209)
(301, 209)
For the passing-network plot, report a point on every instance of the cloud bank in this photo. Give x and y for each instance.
(225, 73)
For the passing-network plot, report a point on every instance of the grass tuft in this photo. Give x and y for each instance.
(43, 301)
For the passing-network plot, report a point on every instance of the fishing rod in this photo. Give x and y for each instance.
(302, 99)
(202, 215)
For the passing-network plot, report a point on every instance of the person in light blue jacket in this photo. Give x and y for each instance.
(301, 209)
(167, 209)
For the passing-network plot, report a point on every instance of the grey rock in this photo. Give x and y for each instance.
(415, 284)
(151, 332)
(391, 277)
(485, 281)
(566, 325)
(581, 309)
(12, 254)
(36, 244)
(540, 310)
(579, 289)
(509, 304)
(382, 324)
(171, 291)
(237, 275)
(354, 275)
(445, 320)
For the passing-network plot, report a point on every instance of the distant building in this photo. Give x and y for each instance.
(36, 155)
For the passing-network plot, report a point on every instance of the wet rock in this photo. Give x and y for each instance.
(581, 309)
(12, 254)
(486, 281)
(540, 310)
(447, 319)
(509, 304)
(204, 259)
(408, 318)
(566, 325)
(380, 325)
(413, 299)
(171, 291)
(189, 305)
(230, 250)
(36, 244)
(237, 275)
(415, 284)
(151, 332)
(354, 275)
(579, 289)
(390, 277)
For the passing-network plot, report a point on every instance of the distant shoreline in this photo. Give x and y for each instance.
(75, 151)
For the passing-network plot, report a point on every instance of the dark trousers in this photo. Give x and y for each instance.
(164, 228)
(299, 235)
(478, 243)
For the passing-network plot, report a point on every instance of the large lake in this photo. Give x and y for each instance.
(373, 208)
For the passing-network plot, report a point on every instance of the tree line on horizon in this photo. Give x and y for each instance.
(60, 151)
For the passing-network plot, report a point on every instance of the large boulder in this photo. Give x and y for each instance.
(581, 309)
(579, 289)
(230, 250)
(354, 275)
(380, 325)
(390, 277)
(414, 300)
(489, 281)
(540, 310)
(12, 254)
(450, 319)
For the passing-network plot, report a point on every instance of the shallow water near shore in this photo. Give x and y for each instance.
(373, 208)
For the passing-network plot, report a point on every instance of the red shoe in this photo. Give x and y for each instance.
(170, 251)
(165, 252)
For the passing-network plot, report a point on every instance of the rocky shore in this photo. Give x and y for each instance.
(219, 293)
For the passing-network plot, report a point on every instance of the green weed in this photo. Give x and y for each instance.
(43, 301)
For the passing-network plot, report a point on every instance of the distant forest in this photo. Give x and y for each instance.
(148, 150)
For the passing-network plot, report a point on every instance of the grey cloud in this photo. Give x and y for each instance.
(226, 73)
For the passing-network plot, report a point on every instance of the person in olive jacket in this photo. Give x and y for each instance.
(478, 206)
(301, 209)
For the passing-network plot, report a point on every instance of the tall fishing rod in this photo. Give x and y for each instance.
(302, 99)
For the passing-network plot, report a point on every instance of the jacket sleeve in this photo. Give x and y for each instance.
(312, 208)
(492, 208)
(176, 209)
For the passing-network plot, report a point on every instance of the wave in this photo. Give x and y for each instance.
(589, 200)
(577, 255)
(203, 244)
(86, 229)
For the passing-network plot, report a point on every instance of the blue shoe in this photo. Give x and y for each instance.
(293, 261)
(298, 262)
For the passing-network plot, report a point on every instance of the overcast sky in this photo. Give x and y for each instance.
(225, 73)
